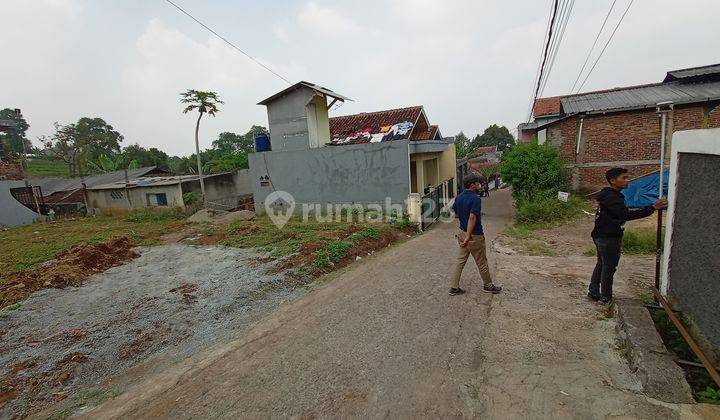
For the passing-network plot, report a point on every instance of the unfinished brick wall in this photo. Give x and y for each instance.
(622, 137)
(11, 171)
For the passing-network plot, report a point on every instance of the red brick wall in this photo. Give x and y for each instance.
(11, 171)
(593, 179)
(627, 136)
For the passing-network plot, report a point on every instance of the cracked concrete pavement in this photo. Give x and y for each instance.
(383, 339)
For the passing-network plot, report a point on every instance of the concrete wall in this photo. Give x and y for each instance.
(363, 173)
(133, 197)
(223, 186)
(287, 119)
(12, 213)
(691, 264)
(323, 119)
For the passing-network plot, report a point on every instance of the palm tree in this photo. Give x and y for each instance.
(204, 102)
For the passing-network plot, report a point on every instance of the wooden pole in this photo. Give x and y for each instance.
(688, 339)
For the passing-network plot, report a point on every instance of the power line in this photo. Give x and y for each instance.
(593, 46)
(545, 54)
(563, 25)
(606, 44)
(228, 42)
(537, 71)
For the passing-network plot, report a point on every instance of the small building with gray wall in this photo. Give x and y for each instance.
(691, 278)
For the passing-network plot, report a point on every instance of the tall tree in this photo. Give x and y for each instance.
(204, 103)
(14, 139)
(495, 135)
(83, 142)
(462, 145)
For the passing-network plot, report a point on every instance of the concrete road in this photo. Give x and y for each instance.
(383, 339)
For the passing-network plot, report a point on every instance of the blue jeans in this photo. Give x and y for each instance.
(608, 257)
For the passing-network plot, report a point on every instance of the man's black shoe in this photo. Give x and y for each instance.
(605, 300)
(454, 291)
(491, 288)
(593, 298)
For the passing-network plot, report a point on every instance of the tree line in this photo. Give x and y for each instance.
(91, 145)
(494, 135)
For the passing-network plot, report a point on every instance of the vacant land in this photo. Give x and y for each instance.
(83, 303)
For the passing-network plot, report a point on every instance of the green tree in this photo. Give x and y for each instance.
(146, 157)
(96, 137)
(534, 171)
(462, 145)
(79, 144)
(204, 103)
(495, 135)
(14, 139)
(108, 164)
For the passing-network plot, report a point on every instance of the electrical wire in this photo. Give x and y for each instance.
(597, 37)
(564, 21)
(606, 45)
(537, 71)
(545, 54)
(228, 42)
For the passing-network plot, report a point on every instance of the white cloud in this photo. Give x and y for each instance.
(326, 20)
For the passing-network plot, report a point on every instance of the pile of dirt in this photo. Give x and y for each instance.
(72, 268)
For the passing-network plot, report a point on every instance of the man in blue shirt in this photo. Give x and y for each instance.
(471, 240)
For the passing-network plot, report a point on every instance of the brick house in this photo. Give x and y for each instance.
(621, 126)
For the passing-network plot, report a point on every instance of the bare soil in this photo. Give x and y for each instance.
(70, 268)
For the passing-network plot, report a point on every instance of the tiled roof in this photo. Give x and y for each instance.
(428, 134)
(365, 127)
(546, 106)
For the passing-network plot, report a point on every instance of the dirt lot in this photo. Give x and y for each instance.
(97, 309)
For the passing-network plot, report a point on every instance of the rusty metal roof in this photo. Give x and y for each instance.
(312, 86)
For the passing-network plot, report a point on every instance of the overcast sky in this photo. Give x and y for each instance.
(470, 63)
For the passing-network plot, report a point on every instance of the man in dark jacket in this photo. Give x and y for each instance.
(610, 218)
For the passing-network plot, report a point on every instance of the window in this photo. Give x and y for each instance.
(117, 195)
(156, 200)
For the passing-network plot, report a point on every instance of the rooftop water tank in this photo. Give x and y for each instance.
(262, 143)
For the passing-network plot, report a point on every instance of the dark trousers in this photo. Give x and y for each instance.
(608, 256)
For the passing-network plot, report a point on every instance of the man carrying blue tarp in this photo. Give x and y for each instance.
(610, 218)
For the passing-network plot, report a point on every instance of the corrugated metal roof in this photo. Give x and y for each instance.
(154, 181)
(312, 86)
(52, 185)
(692, 72)
(641, 97)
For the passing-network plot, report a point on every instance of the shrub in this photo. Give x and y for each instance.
(150, 215)
(534, 171)
(547, 210)
(190, 198)
(404, 223)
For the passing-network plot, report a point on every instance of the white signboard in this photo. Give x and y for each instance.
(563, 196)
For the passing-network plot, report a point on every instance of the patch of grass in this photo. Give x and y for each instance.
(404, 222)
(155, 215)
(639, 241)
(548, 211)
(27, 246)
(87, 397)
(47, 167)
(520, 232)
(536, 248)
(370, 232)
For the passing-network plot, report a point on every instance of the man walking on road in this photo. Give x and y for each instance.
(471, 240)
(610, 218)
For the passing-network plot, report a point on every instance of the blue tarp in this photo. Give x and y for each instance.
(643, 191)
